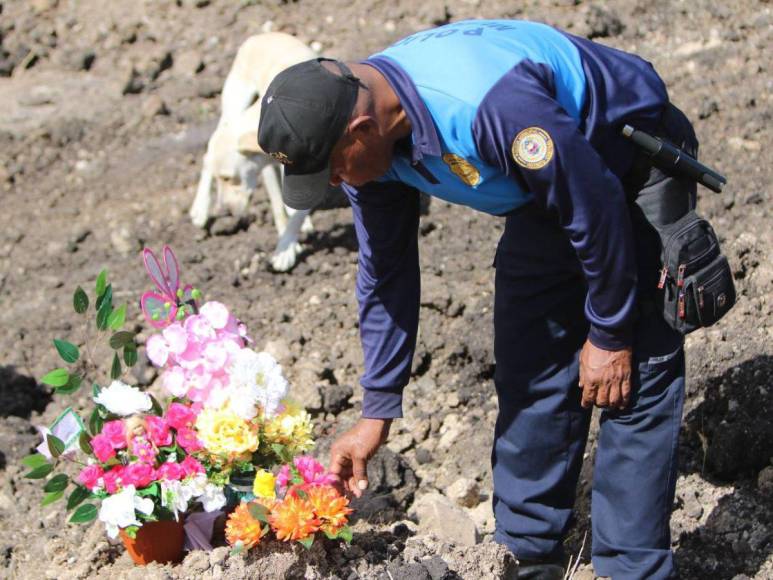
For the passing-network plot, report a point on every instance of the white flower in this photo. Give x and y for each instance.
(256, 379)
(213, 498)
(124, 400)
(118, 511)
(175, 497)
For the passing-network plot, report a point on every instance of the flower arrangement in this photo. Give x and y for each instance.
(309, 504)
(227, 417)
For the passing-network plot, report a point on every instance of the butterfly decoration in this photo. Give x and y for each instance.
(171, 302)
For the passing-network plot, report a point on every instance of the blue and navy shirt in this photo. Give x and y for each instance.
(503, 114)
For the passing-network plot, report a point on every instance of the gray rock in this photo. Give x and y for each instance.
(765, 480)
(465, 492)
(408, 572)
(438, 515)
(152, 106)
(335, 398)
(131, 83)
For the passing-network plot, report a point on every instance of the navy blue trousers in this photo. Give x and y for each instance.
(541, 428)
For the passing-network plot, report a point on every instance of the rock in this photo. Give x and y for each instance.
(152, 106)
(465, 492)
(208, 87)
(408, 572)
(438, 515)
(450, 431)
(692, 506)
(279, 350)
(437, 568)
(490, 561)
(188, 63)
(124, 241)
(483, 516)
(765, 480)
(602, 23)
(335, 398)
(392, 484)
(307, 389)
(230, 225)
(131, 83)
(193, 3)
(76, 59)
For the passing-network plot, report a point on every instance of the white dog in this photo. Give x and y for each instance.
(234, 160)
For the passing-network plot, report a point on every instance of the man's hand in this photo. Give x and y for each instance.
(605, 376)
(351, 451)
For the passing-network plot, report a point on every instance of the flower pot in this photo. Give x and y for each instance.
(160, 542)
(239, 489)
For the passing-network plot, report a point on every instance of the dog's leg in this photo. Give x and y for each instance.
(199, 212)
(287, 248)
(274, 188)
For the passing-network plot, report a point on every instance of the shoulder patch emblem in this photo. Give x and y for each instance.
(281, 157)
(463, 169)
(532, 148)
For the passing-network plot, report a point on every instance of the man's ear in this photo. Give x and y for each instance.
(362, 125)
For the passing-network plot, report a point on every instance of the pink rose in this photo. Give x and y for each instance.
(192, 466)
(115, 432)
(187, 439)
(312, 471)
(171, 471)
(159, 430)
(89, 476)
(103, 449)
(139, 475)
(113, 479)
(179, 416)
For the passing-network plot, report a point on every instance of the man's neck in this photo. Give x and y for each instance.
(387, 109)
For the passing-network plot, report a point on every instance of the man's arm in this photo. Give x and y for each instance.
(386, 219)
(521, 128)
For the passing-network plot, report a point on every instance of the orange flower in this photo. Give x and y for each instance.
(293, 519)
(241, 526)
(329, 506)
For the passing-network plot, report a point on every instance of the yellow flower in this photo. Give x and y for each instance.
(242, 527)
(291, 428)
(226, 434)
(293, 519)
(265, 484)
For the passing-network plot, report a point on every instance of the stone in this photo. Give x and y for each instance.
(408, 572)
(307, 390)
(279, 350)
(765, 480)
(438, 515)
(450, 431)
(465, 492)
(131, 83)
(437, 568)
(152, 106)
(188, 63)
(335, 398)
(483, 516)
(124, 241)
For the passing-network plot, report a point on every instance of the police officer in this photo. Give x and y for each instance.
(520, 120)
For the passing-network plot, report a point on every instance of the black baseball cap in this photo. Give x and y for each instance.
(303, 115)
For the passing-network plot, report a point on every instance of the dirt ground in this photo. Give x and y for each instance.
(105, 110)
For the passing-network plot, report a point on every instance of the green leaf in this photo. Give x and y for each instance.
(55, 445)
(77, 496)
(121, 339)
(40, 472)
(84, 514)
(80, 301)
(117, 318)
(259, 512)
(107, 296)
(152, 489)
(307, 542)
(130, 355)
(95, 422)
(101, 283)
(103, 314)
(345, 534)
(56, 378)
(302, 494)
(84, 441)
(57, 483)
(131, 531)
(95, 390)
(73, 384)
(115, 370)
(67, 350)
(52, 497)
(35, 460)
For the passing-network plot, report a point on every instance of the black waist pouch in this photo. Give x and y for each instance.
(696, 284)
